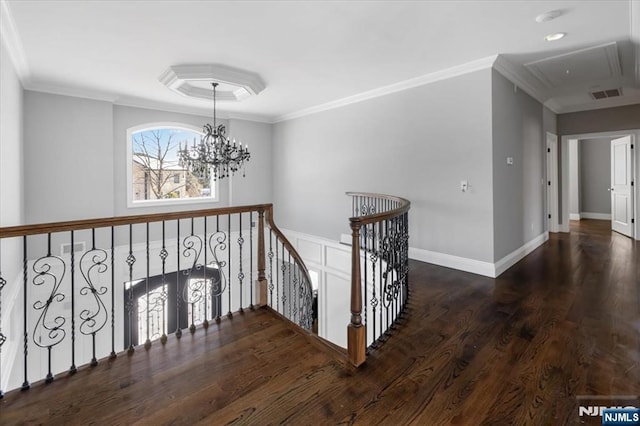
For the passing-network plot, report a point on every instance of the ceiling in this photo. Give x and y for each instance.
(313, 55)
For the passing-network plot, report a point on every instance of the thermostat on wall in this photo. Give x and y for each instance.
(510, 161)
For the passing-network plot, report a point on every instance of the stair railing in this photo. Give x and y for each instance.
(73, 293)
(379, 270)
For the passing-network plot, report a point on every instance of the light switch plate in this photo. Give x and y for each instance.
(510, 161)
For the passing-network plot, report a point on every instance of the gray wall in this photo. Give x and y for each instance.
(75, 150)
(11, 164)
(256, 186)
(595, 175)
(518, 190)
(418, 143)
(600, 120)
(68, 151)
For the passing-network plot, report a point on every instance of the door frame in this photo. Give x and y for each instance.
(552, 182)
(564, 155)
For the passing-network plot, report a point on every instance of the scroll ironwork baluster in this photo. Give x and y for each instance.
(48, 330)
(192, 291)
(93, 321)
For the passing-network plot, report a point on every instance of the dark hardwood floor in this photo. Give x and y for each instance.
(520, 349)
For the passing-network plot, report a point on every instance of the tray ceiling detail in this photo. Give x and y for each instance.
(194, 81)
(574, 68)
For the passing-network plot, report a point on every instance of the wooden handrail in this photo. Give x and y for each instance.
(405, 205)
(75, 225)
(287, 244)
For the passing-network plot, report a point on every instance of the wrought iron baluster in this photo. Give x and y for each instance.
(48, 331)
(164, 254)
(240, 272)
(113, 295)
(147, 343)
(73, 369)
(374, 255)
(93, 321)
(365, 268)
(192, 291)
(3, 338)
(284, 290)
(229, 314)
(25, 383)
(270, 255)
(178, 328)
(205, 323)
(277, 283)
(131, 260)
(250, 261)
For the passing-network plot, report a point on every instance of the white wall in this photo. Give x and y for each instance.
(518, 189)
(418, 144)
(68, 153)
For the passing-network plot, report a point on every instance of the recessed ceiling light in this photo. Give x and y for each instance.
(554, 36)
(548, 16)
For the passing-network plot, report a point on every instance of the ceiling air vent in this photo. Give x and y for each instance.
(604, 94)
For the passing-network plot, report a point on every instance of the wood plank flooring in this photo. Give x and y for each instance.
(472, 350)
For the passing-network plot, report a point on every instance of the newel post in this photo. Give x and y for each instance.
(262, 279)
(356, 331)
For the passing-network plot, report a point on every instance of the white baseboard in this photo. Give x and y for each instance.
(447, 260)
(574, 216)
(599, 216)
(515, 256)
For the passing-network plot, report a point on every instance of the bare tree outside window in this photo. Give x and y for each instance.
(156, 171)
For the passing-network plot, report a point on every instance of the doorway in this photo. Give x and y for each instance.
(598, 173)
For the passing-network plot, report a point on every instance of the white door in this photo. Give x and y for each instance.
(621, 186)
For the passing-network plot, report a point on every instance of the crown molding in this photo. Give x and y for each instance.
(76, 92)
(184, 109)
(634, 15)
(455, 71)
(9, 33)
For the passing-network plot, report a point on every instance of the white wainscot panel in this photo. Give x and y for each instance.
(338, 259)
(310, 251)
(335, 307)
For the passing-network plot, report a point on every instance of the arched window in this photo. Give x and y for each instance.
(154, 174)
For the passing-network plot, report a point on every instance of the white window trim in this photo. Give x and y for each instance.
(168, 201)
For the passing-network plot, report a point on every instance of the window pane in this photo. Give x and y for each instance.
(156, 172)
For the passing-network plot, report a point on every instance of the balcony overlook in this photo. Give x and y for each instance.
(519, 349)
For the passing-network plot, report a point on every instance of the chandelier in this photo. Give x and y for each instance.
(215, 155)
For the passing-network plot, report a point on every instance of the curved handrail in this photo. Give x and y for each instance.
(384, 239)
(304, 321)
(404, 206)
